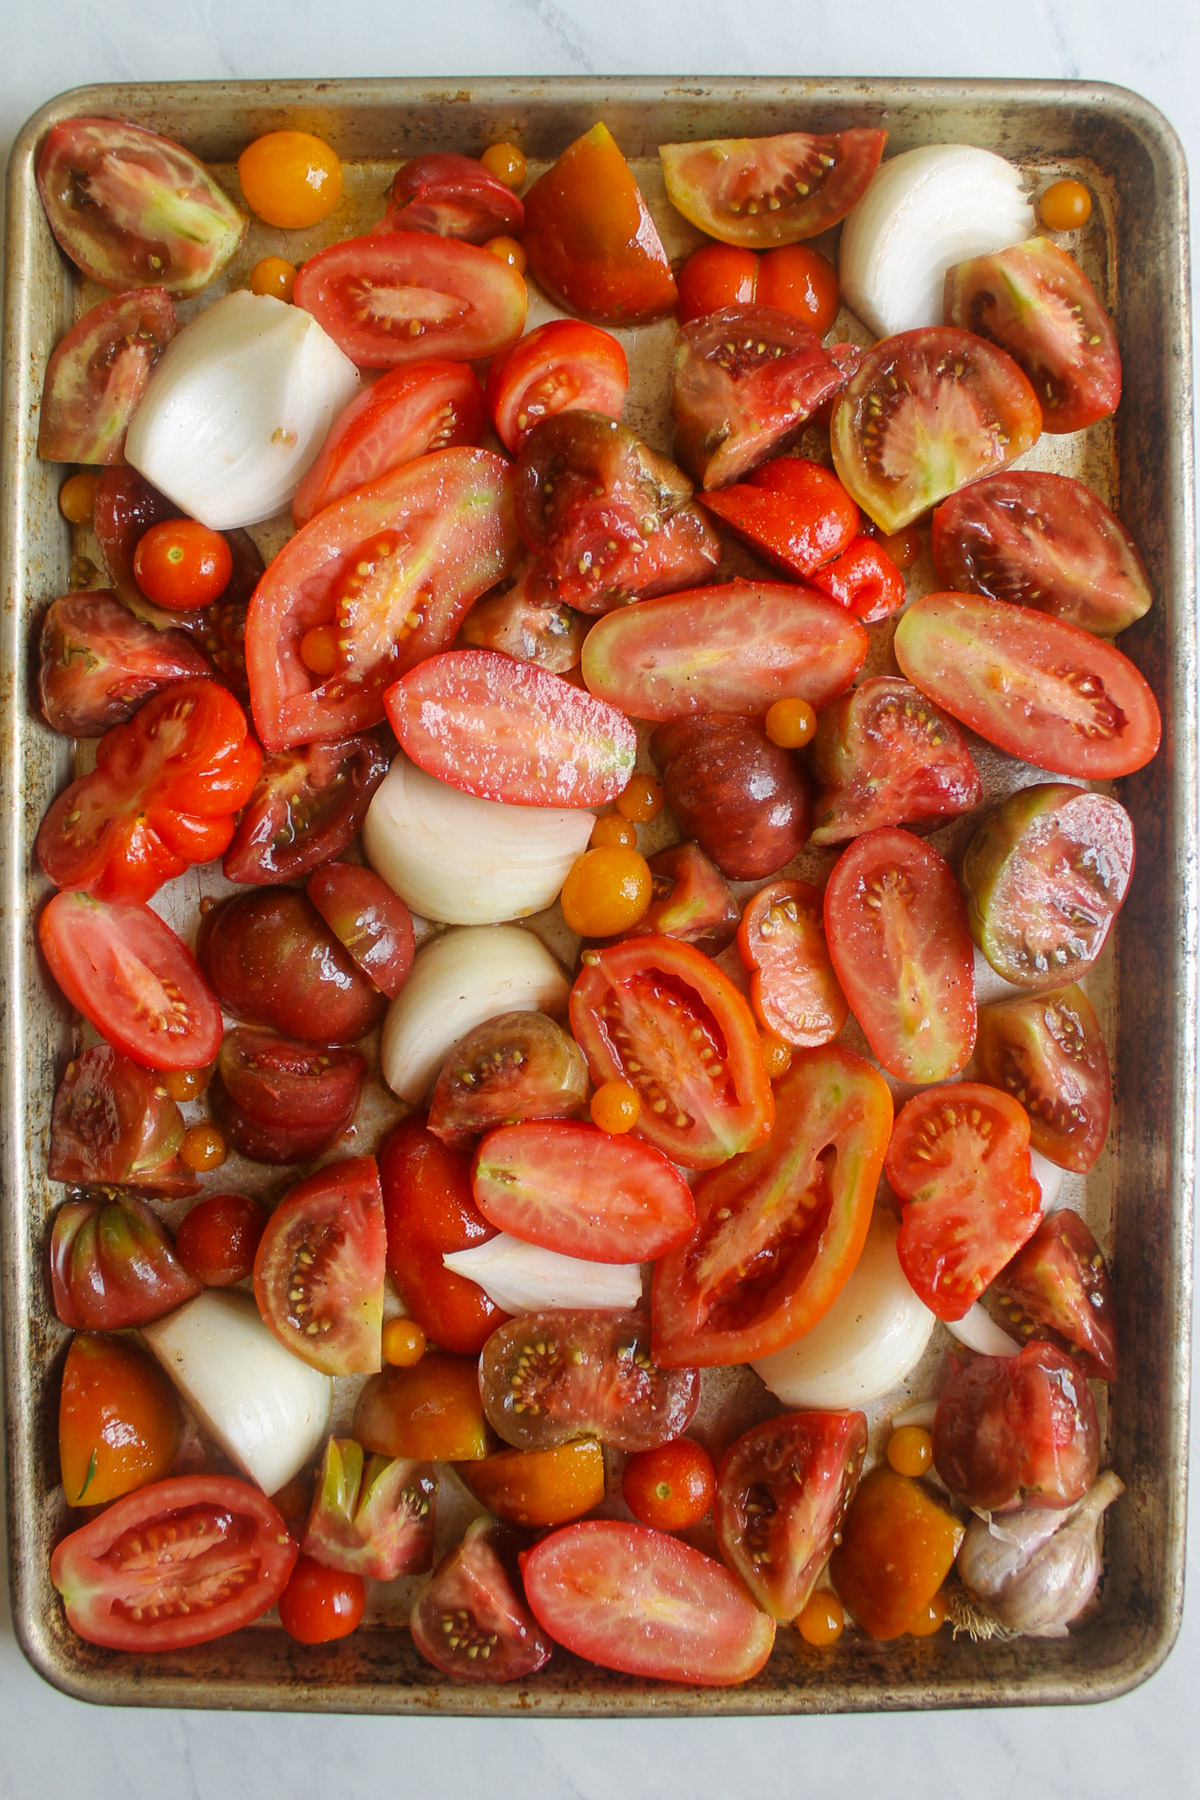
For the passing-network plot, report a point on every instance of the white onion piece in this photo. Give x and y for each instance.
(979, 1332)
(466, 861)
(266, 1409)
(872, 1336)
(522, 1277)
(1048, 1176)
(923, 212)
(458, 980)
(922, 1414)
(237, 409)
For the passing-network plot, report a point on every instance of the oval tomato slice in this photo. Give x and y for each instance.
(1048, 1050)
(793, 988)
(781, 1228)
(736, 648)
(98, 373)
(1041, 689)
(639, 1601)
(318, 1272)
(403, 297)
(901, 947)
(562, 366)
(770, 190)
(656, 1013)
(507, 730)
(98, 663)
(306, 807)
(885, 755)
(581, 1192)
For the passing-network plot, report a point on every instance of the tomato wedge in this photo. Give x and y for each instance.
(318, 1272)
(281, 1101)
(470, 1622)
(1017, 1430)
(562, 366)
(1048, 1051)
(99, 372)
(98, 663)
(656, 1013)
(795, 512)
(781, 1228)
(112, 1264)
(368, 920)
(306, 807)
(885, 755)
(114, 1124)
(1037, 687)
(770, 190)
(451, 196)
(793, 988)
(1058, 1286)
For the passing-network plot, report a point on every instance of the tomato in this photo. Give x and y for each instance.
(736, 648)
(320, 1604)
(782, 1494)
(132, 209)
(430, 1410)
(1065, 206)
(927, 412)
(1057, 1286)
(279, 1101)
(910, 1450)
(114, 1123)
(98, 373)
(645, 1604)
(454, 197)
(273, 961)
(290, 179)
(395, 566)
(218, 1238)
(562, 366)
(375, 1520)
(403, 297)
(307, 806)
(539, 1487)
(1036, 302)
(1017, 1430)
(517, 1066)
(275, 276)
(1048, 1050)
(508, 731)
(181, 564)
(692, 901)
(796, 279)
(898, 1546)
(470, 1622)
(590, 240)
(318, 1270)
(770, 190)
(671, 1488)
(118, 1421)
(407, 413)
(112, 1266)
(636, 1010)
(607, 892)
(959, 1159)
(747, 801)
(713, 277)
(864, 580)
(161, 797)
(546, 632)
(176, 1563)
(368, 920)
(794, 512)
(793, 988)
(98, 663)
(780, 1228)
(901, 948)
(884, 755)
(429, 1210)
(1045, 876)
(581, 1192)
(744, 383)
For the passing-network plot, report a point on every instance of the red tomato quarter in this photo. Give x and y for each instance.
(368, 920)
(794, 512)
(1058, 1286)
(562, 366)
(98, 663)
(451, 196)
(318, 1272)
(116, 1125)
(885, 755)
(794, 990)
(307, 805)
(770, 190)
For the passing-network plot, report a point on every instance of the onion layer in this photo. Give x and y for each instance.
(522, 1277)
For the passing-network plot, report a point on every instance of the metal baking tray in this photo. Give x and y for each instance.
(1141, 463)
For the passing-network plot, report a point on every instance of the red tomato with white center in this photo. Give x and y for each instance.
(318, 1270)
(562, 366)
(1017, 1430)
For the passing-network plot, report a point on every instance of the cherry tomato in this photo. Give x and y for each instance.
(612, 832)
(368, 920)
(187, 1084)
(745, 800)
(118, 1420)
(470, 1622)
(1048, 1050)
(1065, 206)
(1015, 1429)
(776, 1055)
(307, 806)
(793, 988)
(452, 196)
(713, 277)
(509, 251)
(642, 799)
(218, 1238)
(98, 663)
(374, 1517)
(290, 178)
(318, 649)
(273, 961)
(615, 1107)
(910, 1450)
(318, 1270)
(181, 564)
(77, 497)
(275, 276)
(203, 1148)
(885, 755)
(404, 1343)
(770, 190)
(506, 162)
(1057, 1286)
(281, 1101)
(539, 1487)
(430, 1409)
(897, 1548)
(320, 1604)
(791, 724)
(821, 1621)
(115, 1124)
(795, 279)
(606, 892)
(670, 1488)
(97, 375)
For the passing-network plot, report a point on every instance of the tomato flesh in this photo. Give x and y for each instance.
(115, 1123)
(307, 806)
(1017, 1430)
(98, 374)
(98, 663)
(318, 1271)
(471, 1623)
(1048, 1051)
(793, 988)
(885, 755)
(1058, 1286)
(864, 580)
(762, 191)
(562, 366)
(794, 512)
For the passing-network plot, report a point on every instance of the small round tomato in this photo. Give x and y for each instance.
(713, 277)
(404, 1343)
(1017, 1430)
(290, 178)
(187, 1084)
(275, 276)
(506, 162)
(606, 892)
(1065, 206)
(562, 366)
(182, 564)
(77, 497)
(539, 1487)
(897, 1548)
(320, 1604)
(642, 799)
(429, 1409)
(509, 251)
(470, 1621)
(203, 1148)
(791, 724)
(218, 1238)
(613, 832)
(910, 1450)
(672, 1487)
(798, 280)
(885, 755)
(793, 988)
(821, 1621)
(615, 1107)
(118, 1421)
(318, 1271)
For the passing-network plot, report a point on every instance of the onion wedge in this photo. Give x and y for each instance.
(520, 1277)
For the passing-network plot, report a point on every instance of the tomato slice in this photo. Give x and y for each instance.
(959, 1158)
(470, 1622)
(781, 1228)
(639, 1601)
(307, 806)
(452, 196)
(118, 1420)
(98, 374)
(98, 663)
(927, 412)
(281, 1101)
(885, 755)
(647, 1011)
(403, 297)
(692, 901)
(129, 975)
(517, 1066)
(373, 1518)
(581, 1192)
(770, 190)
(794, 512)
(745, 799)
(793, 988)
(318, 1273)
(901, 948)
(115, 1124)
(1058, 1286)
(395, 566)
(1041, 689)
(1017, 1430)
(782, 1494)
(177, 1563)
(505, 730)
(112, 1265)
(562, 366)
(273, 961)
(368, 920)
(1048, 1051)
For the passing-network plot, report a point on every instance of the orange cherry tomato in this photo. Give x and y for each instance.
(539, 1487)
(931, 1618)
(506, 162)
(118, 1420)
(510, 251)
(822, 1621)
(403, 1343)
(320, 1604)
(431, 1411)
(290, 178)
(671, 1487)
(202, 1148)
(1065, 206)
(615, 1107)
(187, 1084)
(77, 497)
(275, 276)
(612, 831)
(607, 891)
(910, 1450)
(181, 564)
(713, 277)
(791, 724)
(641, 799)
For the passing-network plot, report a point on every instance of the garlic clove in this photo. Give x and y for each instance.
(1034, 1570)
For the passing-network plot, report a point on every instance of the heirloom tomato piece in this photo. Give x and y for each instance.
(898, 1546)
(770, 190)
(217, 1239)
(1043, 541)
(1036, 302)
(549, 1377)
(782, 1494)
(864, 580)
(308, 804)
(118, 1420)
(133, 209)
(177, 1563)
(1048, 1051)
(548, 633)
(520, 1065)
(671, 1488)
(885, 755)
(793, 988)
(452, 196)
(281, 1101)
(98, 373)
(368, 920)
(1057, 1286)
(539, 1487)
(655, 1013)
(927, 412)
(112, 1265)
(318, 1271)
(792, 279)
(430, 1410)
(901, 948)
(779, 1229)
(692, 901)
(471, 1622)
(590, 240)
(98, 663)
(115, 1124)
(1017, 1430)
(797, 513)
(643, 1603)
(394, 568)
(959, 1160)
(373, 1517)
(273, 961)
(319, 1604)
(562, 366)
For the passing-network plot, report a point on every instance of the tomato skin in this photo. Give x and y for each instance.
(280, 1101)
(320, 1604)
(1058, 1286)
(777, 1235)
(470, 1622)
(368, 920)
(318, 1269)
(562, 366)
(793, 988)
(795, 512)
(115, 1124)
(98, 373)
(864, 580)
(291, 179)
(273, 961)
(898, 1546)
(1017, 1430)
(98, 663)
(670, 1488)
(430, 1410)
(885, 755)
(181, 564)
(1048, 1049)
(713, 277)
(539, 1487)
(746, 801)
(217, 1240)
(770, 190)
(118, 1420)
(307, 806)
(452, 196)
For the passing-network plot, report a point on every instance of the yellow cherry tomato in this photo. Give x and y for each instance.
(506, 163)
(822, 1621)
(318, 649)
(791, 724)
(509, 251)
(202, 1148)
(77, 497)
(1065, 206)
(186, 1084)
(274, 275)
(642, 799)
(403, 1343)
(615, 1107)
(607, 891)
(776, 1054)
(903, 547)
(910, 1450)
(290, 178)
(612, 830)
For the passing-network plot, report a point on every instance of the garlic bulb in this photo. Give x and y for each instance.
(1035, 1569)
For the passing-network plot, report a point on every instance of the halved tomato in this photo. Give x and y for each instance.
(281, 1101)
(793, 988)
(770, 190)
(306, 807)
(452, 196)
(747, 800)
(927, 412)
(656, 1013)
(1041, 689)
(518, 623)
(781, 1228)
(692, 901)
(114, 1124)
(470, 1622)
(98, 663)
(99, 372)
(1048, 1051)
(562, 366)
(1017, 1430)
(367, 919)
(885, 755)
(519, 1065)
(112, 1265)
(901, 948)
(403, 296)
(318, 1273)
(794, 512)
(1057, 1286)
(539, 1487)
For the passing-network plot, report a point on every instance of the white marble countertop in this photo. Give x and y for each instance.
(1147, 1743)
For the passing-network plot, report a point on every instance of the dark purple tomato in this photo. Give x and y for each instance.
(306, 807)
(471, 1622)
(745, 801)
(273, 961)
(1013, 1430)
(281, 1101)
(115, 1124)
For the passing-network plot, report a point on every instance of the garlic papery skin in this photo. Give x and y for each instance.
(520, 1277)
(237, 409)
(1035, 1569)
